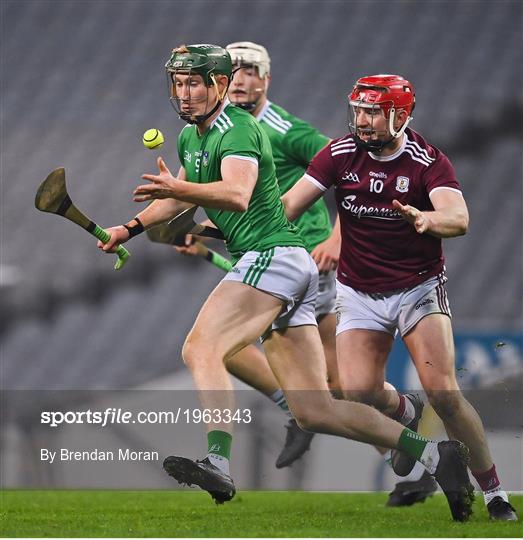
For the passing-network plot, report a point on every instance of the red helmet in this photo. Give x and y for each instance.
(389, 93)
(386, 91)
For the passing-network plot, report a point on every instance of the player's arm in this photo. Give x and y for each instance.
(194, 244)
(300, 197)
(234, 192)
(157, 212)
(449, 218)
(327, 253)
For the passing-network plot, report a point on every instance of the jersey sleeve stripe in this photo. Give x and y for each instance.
(277, 118)
(344, 151)
(445, 187)
(224, 122)
(244, 158)
(416, 147)
(314, 182)
(273, 125)
(342, 142)
(343, 147)
(220, 124)
(415, 157)
(276, 121)
(227, 119)
(345, 144)
(414, 152)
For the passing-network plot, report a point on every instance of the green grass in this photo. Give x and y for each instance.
(250, 514)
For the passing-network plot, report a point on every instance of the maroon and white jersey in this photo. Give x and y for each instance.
(380, 251)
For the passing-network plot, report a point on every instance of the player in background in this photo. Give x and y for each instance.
(227, 168)
(397, 197)
(294, 143)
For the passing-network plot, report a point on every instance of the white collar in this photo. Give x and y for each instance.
(261, 114)
(392, 156)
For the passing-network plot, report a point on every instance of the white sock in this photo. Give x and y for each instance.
(410, 412)
(220, 462)
(430, 457)
(416, 473)
(279, 398)
(498, 492)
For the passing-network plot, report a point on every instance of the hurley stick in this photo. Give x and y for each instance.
(161, 234)
(52, 197)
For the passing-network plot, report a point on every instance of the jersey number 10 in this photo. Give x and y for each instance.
(376, 186)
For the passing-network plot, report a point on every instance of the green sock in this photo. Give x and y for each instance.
(219, 443)
(412, 443)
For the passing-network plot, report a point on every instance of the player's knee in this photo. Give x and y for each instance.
(195, 352)
(446, 403)
(312, 419)
(308, 422)
(368, 397)
(188, 353)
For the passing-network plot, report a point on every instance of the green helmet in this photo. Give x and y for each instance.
(203, 59)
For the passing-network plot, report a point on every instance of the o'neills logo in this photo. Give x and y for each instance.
(360, 210)
(424, 303)
(378, 175)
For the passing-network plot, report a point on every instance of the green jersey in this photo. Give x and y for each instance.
(294, 143)
(235, 132)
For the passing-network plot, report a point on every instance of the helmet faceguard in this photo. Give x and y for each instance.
(388, 93)
(207, 61)
(245, 55)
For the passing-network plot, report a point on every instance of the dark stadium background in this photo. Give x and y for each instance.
(81, 81)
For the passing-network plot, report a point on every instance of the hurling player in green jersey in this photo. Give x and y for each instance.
(294, 143)
(227, 169)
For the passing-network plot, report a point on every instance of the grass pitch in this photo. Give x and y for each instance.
(250, 514)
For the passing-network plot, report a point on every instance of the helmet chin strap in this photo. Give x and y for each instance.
(198, 119)
(372, 146)
(249, 106)
(396, 134)
(378, 146)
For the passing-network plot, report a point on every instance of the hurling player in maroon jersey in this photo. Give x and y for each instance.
(397, 197)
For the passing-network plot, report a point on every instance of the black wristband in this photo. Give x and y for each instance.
(135, 230)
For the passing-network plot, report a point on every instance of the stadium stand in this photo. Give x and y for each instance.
(87, 80)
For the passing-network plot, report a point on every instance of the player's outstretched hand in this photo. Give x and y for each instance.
(326, 255)
(415, 217)
(192, 247)
(161, 185)
(119, 235)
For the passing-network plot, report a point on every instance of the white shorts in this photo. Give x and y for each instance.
(288, 273)
(326, 300)
(390, 312)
